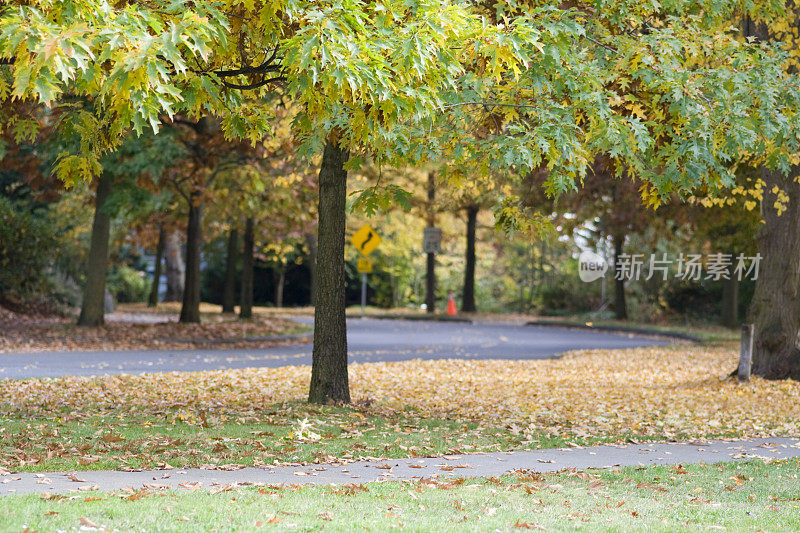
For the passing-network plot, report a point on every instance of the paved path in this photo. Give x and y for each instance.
(484, 465)
(369, 340)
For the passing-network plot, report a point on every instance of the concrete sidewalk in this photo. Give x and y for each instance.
(483, 465)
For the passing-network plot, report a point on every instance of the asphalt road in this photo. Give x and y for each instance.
(369, 340)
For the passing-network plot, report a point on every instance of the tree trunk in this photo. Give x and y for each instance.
(729, 317)
(152, 300)
(246, 301)
(430, 261)
(175, 268)
(329, 380)
(468, 297)
(190, 309)
(229, 287)
(775, 308)
(620, 307)
(93, 305)
(311, 241)
(279, 286)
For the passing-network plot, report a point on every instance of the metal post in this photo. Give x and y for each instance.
(746, 355)
(363, 292)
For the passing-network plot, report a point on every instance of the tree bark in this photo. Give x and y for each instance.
(430, 260)
(190, 309)
(729, 317)
(279, 286)
(246, 297)
(775, 308)
(229, 286)
(152, 300)
(620, 307)
(176, 270)
(93, 305)
(329, 379)
(311, 241)
(468, 297)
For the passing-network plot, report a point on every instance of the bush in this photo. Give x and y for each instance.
(128, 285)
(27, 244)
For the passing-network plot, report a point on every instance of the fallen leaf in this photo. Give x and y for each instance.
(88, 523)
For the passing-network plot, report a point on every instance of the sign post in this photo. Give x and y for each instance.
(366, 241)
(363, 292)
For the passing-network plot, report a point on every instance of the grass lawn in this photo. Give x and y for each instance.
(727, 496)
(285, 433)
(401, 409)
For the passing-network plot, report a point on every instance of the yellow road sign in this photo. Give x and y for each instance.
(364, 265)
(365, 240)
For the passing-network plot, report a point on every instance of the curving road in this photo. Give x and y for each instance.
(369, 340)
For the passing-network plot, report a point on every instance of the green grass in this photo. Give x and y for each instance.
(183, 438)
(728, 496)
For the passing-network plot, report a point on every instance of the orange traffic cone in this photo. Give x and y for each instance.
(451, 304)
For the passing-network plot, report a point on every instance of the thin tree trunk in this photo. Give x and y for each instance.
(775, 308)
(190, 309)
(246, 297)
(620, 307)
(93, 305)
(729, 317)
(430, 262)
(280, 285)
(311, 241)
(152, 300)
(468, 297)
(229, 287)
(176, 270)
(329, 380)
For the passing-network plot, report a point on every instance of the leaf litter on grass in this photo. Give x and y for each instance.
(649, 393)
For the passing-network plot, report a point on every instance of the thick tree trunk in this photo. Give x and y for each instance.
(311, 241)
(190, 309)
(246, 296)
(620, 307)
(152, 300)
(468, 299)
(176, 270)
(329, 380)
(93, 305)
(279, 286)
(729, 317)
(775, 308)
(229, 284)
(430, 260)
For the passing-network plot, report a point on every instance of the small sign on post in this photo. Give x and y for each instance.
(746, 355)
(364, 265)
(432, 240)
(365, 240)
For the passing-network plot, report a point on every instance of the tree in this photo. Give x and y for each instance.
(775, 307)
(93, 307)
(246, 303)
(152, 299)
(175, 268)
(329, 379)
(373, 78)
(229, 287)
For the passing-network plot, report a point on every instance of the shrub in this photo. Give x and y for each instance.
(128, 285)
(27, 244)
